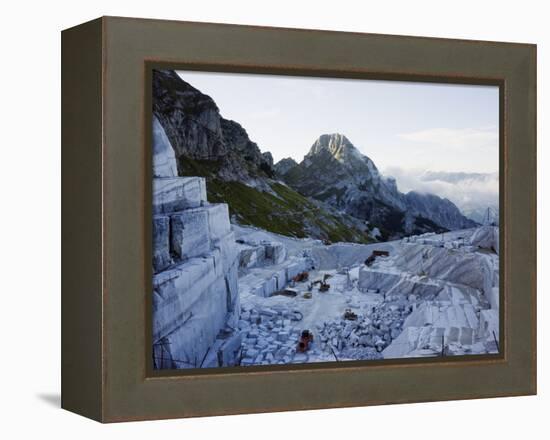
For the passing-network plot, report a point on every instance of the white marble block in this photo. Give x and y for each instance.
(218, 220)
(189, 233)
(164, 158)
(192, 334)
(280, 276)
(370, 279)
(188, 279)
(228, 249)
(172, 194)
(275, 251)
(251, 256)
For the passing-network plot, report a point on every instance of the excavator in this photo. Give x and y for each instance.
(323, 285)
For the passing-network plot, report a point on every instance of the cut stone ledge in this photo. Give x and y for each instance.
(172, 194)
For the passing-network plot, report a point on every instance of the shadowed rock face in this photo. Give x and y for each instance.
(335, 172)
(441, 211)
(284, 166)
(195, 128)
(207, 145)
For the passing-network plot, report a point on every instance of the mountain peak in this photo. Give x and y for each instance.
(338, 145)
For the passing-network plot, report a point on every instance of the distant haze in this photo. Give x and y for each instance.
(406, 128)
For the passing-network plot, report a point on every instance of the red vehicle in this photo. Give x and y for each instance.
(301, 277)
(305, 341)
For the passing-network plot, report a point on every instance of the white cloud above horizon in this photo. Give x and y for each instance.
(468, 191)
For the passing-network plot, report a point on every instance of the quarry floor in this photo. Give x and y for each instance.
(271, 326)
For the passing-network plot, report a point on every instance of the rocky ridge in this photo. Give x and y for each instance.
(335, 172)
(207, 145)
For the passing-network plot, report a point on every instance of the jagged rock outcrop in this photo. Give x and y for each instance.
(441, 211)
(284, 166)
(237, 172)
(335, 172)
(196, 130)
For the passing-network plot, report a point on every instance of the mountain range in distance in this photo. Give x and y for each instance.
(335, 193)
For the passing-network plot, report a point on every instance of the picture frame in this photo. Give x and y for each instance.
(106, 215)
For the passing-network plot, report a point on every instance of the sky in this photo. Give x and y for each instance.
(406, 128)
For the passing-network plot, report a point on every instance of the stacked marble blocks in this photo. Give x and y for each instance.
(195, 264)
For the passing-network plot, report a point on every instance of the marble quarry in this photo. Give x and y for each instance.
(195, 265)
(229, 295)
(434, 295)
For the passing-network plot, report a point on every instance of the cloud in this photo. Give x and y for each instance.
(466, 190)
(457, 138)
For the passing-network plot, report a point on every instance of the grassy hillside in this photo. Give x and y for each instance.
(283, 211)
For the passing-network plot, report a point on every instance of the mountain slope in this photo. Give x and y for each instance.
(195, 128)
(335, 172)
(236, 171)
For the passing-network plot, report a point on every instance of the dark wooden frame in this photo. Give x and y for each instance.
(106, 190)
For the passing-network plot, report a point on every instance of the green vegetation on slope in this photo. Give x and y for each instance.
(283, 211)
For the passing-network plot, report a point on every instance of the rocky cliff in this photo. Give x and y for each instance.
(196, 130)
(335, 172)
(237, 173)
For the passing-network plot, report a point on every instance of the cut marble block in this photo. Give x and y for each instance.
(190, 337)
(280, 276)
(466, 336)
(218, 220)
(275, 251)
(189, 233)
(232, 290)
(191, 319)
(188, 279)
(252, 284)
(172, 194)
(405, 343)
(452, 335)
(161, 242)
(270, 286)
(164, 158)
(177, 289)
(423, 315)
(371, 279)
(251, 256)
(228, 249)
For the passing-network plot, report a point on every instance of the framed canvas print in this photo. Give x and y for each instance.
(305, 219)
